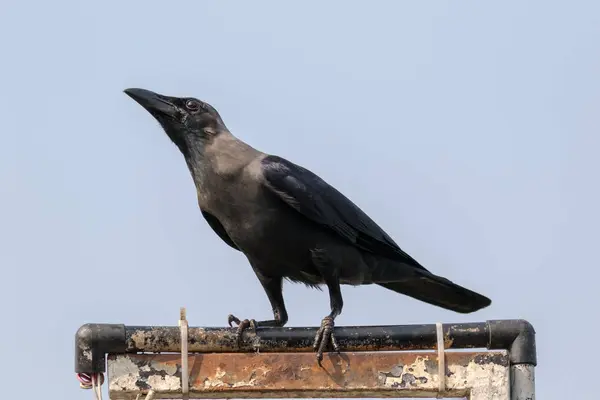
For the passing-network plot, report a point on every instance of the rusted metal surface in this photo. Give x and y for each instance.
(282, 375)
(362, 338)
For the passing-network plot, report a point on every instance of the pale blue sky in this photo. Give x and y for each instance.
(468, 130)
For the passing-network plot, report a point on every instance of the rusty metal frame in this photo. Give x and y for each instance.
(377, 361)
(281, 375)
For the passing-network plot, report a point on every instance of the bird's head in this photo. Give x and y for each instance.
(190, 123)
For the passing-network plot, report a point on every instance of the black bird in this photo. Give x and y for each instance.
(289, 222)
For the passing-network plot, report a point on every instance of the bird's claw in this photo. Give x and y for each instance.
(241, 326)
(325, 336)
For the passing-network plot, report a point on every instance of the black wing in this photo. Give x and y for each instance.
(317, 200)
(218, 228)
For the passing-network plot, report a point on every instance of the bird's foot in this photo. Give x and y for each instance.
(241, 326)
(325, 336)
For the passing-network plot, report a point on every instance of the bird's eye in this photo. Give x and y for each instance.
(192, 105)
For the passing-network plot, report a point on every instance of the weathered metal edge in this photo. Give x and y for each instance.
(285, 375)
(94, 341)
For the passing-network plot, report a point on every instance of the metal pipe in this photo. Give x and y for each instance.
(522, 385)
(94, 341)
(360, 338)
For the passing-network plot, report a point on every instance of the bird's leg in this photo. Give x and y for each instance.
(274, 292)
(325, 334)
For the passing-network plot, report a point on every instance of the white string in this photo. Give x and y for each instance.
(439, 329)
(183, 326)
(96, 387)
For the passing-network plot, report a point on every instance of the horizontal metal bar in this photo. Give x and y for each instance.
(93, 341)
(358, 338)
(480, 375)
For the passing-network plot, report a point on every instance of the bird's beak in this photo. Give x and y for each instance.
(154, 103)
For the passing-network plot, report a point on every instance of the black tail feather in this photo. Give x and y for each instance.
(440, 292)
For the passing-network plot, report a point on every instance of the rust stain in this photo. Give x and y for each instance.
(448, 341)
(359, 374)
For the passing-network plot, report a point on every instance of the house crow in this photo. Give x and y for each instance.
(289, 222)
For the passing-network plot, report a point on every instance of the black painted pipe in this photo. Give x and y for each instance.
(94, 341)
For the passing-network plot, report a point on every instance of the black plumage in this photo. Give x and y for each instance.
(289, 222)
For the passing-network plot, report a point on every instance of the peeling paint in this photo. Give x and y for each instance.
(123, 366)
(268, 375)
(139, 339)
(87, 354)
(402, 376)
(487, 380)
(170, 369)
(164, 383)
(216, 380)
